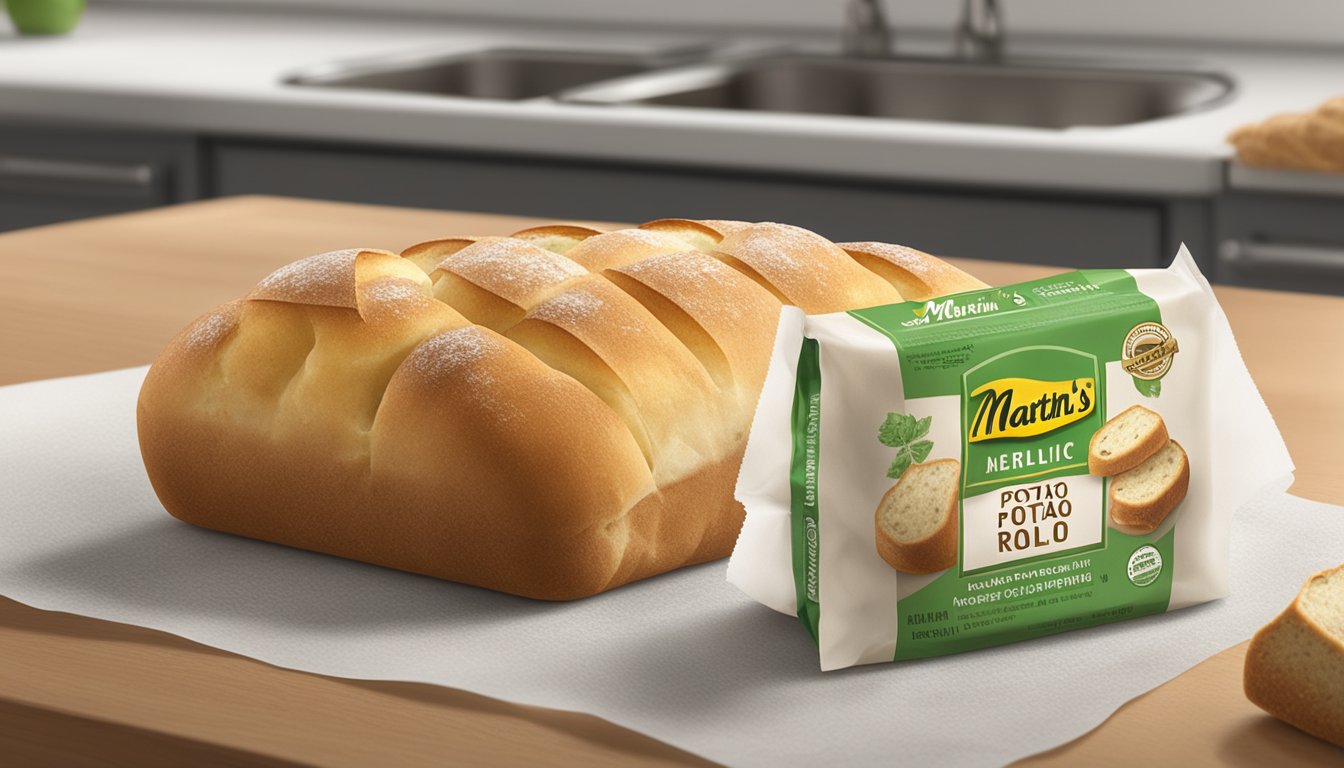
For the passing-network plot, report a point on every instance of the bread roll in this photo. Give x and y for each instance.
(551, 414)
(1313, 141)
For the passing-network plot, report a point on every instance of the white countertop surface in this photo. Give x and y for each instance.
(220, 72)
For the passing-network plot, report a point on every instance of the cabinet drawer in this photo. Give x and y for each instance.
(49, 175)
(1003, 226)
(1292, 242)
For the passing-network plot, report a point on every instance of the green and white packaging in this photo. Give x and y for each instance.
(1011, 383)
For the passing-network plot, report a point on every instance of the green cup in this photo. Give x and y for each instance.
(45, 17)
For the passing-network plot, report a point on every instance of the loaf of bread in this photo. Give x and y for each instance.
(551, 414)
(1126, 441)
(1295, 664)
(916, 519)
(1310, 142)
(1141, 498)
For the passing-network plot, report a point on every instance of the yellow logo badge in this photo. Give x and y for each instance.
(1025, 407)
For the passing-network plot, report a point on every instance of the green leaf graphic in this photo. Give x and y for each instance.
(887, 433)
(922, 427)
(899, 464)
(921, 449)
(902, 432)
(905, 429)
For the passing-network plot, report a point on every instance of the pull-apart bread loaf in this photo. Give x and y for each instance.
(551, 414)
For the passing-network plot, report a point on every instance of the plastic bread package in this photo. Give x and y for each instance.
(934, 477)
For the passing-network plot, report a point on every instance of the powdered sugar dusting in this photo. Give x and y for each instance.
(209, 330)
(691, 279)
(518, 268)
(451, 352)
(304, 275)
(625, 245)
(391, 296)
(459, 354)
(568, 308)
(793, 259)
(906, 258)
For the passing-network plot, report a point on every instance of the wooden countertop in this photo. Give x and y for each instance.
(108, 293)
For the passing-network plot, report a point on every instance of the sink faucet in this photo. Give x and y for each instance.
(866, 29)
(979, 32)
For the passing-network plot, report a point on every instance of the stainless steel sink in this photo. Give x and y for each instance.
(1038, 95)
(502, 74)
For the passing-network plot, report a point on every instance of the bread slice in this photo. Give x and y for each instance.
(1295, 664)
(1126, 441)
(1143, 497)
(917, 519)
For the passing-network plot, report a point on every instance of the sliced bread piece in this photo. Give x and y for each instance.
(917, 519)
(1126, 441)
(1295, 664)
(1143, 497)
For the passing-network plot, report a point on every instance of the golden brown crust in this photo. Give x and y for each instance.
(1145, 518)
(1117, 462)
(625, 246)
(574, 231)
(703, 235)
(428, 254)
(551, 415)
(1294, 668)
(494, 282)
(803, 268)
(915, 274)
(559, 238)
(933, 553)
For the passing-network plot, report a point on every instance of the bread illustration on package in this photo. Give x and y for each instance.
(1060, 461)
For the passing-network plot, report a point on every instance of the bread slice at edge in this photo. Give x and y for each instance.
(1147, 445)
(1145, 518)
(933, 553)
(1280, 675)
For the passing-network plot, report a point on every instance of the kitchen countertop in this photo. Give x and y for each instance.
(74, 690)
(219, 72)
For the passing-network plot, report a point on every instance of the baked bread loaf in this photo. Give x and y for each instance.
(1310, 142)
(1295, 664)
(1141, 498)
(551, 414)
(916, 519)
(1126, 441)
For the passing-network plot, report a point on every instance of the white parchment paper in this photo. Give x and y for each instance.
(685, 658)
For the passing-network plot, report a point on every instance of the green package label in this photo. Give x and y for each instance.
(803, 486)
(1035, 554)
(1001, 464)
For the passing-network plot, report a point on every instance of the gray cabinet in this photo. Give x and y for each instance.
(1281, 240)
(50, 174)
(1006, 225)
(58, 173)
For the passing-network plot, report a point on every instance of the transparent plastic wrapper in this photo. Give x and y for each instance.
(935, 477)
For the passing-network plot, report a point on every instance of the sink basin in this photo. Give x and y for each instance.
(502, 74)
(1037, 95)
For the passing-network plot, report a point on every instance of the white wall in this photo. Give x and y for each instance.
(1319, 22)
